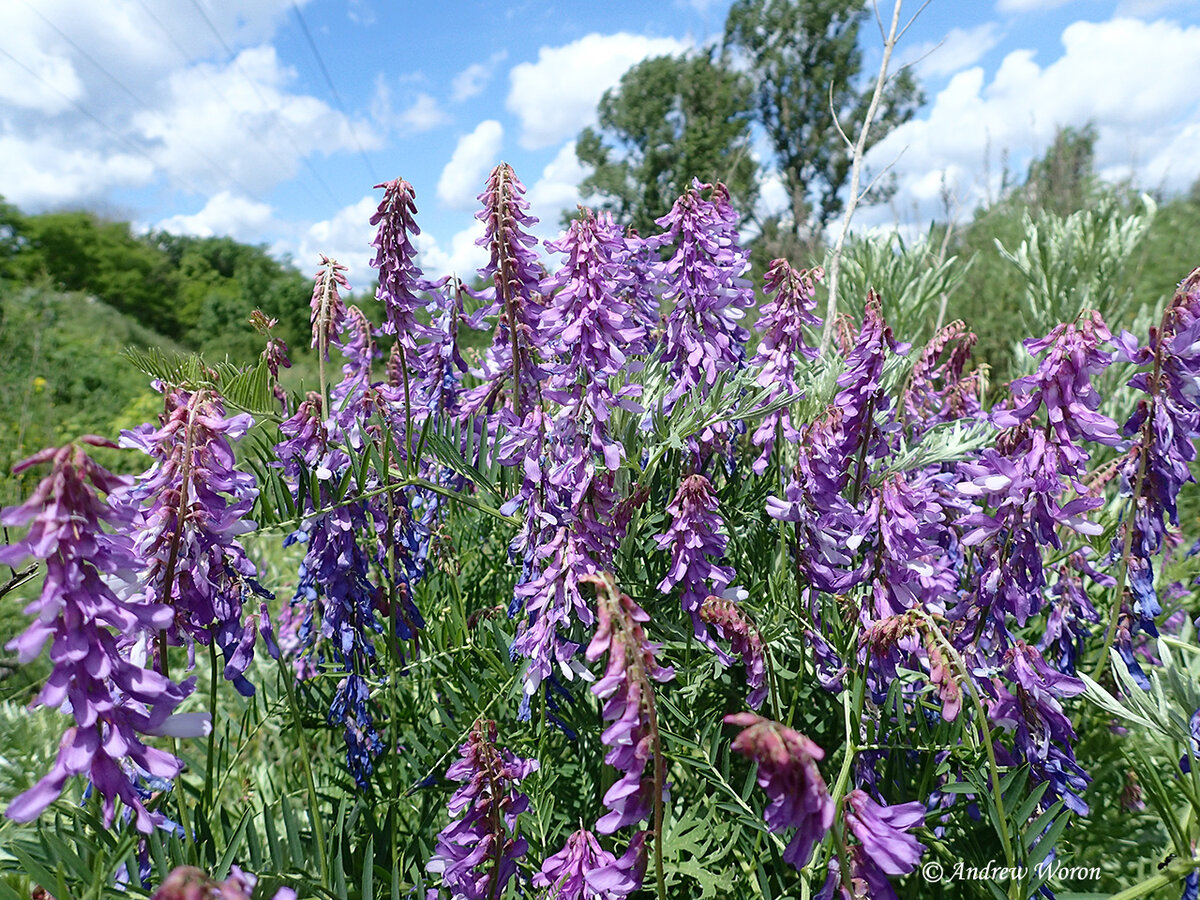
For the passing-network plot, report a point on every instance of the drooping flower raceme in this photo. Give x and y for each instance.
(590, 329)
(91, 610)
(583, 870)
(400, 277)
(695, 539)
(787, 771)
(782, 322)
(511, 370)
(632, 735)
(477, 853)
(884, 848)
(732, 625)
(704, 280)
(191, 506)
(1165, 426)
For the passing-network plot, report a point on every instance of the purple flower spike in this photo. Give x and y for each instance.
(583, 870)
(938, 391)
(395, 257)
(883, 831)
(1165, 424)
(782, 323)
(787, 771)
(1063, 382)
(327, 307)
(734, 626)
(704, 281)
(190, 507)
(626, 689)
(89, 604)
(695, 539)
(477, 854)
(512, 360)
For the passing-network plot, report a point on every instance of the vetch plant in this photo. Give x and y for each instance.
(512, 599)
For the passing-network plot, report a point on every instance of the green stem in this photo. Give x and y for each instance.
(993, 768)
(314, 808)
(1174, 870)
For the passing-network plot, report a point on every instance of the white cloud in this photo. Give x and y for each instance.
(224, 214)
(476, 153)
(558, 188)
(474, 78)
(213, 111)
(41, 172)
(1110, 74)
(39, 81)
(1024, 6)
(556, 96)
(462, 259)
(957, 50)
(1149, 8)
(345, 237)
(423, 115)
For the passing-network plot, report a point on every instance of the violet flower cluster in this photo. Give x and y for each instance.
(477, 852)
(583, 870)
(733, 625)
(883, 848)
(591, 329)
(782, 322)
(92, 611)
(1164, 426)
(626, 688)
(705, 285)
(788, 773)
(695, 539)
(190, 507)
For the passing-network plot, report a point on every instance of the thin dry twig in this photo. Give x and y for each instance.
(834, 268)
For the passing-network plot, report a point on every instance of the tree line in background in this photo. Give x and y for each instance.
(794, 69)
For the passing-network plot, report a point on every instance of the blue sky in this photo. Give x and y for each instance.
(216, 116)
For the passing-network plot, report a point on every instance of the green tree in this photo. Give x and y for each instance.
(804, 60)
(670, 119)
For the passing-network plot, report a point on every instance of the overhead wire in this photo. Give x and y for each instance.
(187, 59)
(337, 98)
(267, 105)
(91, 115)
(212, 164)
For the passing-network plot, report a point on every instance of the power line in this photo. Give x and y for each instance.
(221, 173)
(337, 98)
(274, 114)
(87, 112)
(187, 61)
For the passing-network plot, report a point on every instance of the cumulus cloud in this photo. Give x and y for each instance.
(462, 258)
(556, 96)
(1109, 74)
(44, 82)
(471, 81)
(346, 237)
(558, 188)
(213, 111)
(224, 214)
(960, 48)
(40, 172)
(423, 115)
(474, 156)
(1024, 6)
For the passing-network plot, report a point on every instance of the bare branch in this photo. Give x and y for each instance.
(882, 172)
(836, 123)
(903, 30)
(835, 263)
